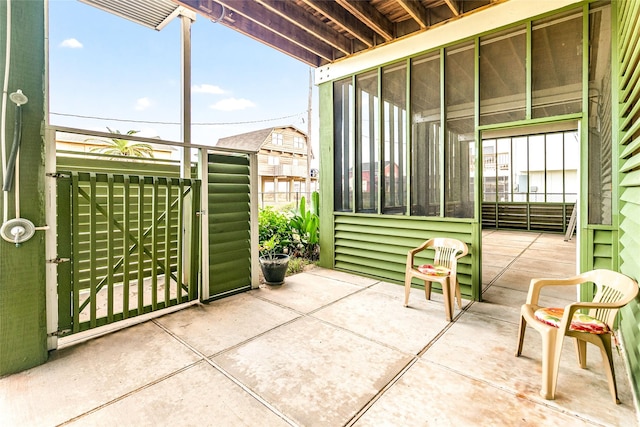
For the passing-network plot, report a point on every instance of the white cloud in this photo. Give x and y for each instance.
(232, 104)
(205, 88)
(143, 104)
(71, 43)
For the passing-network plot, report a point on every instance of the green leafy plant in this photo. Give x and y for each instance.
(274, 226)
(268, 248)
(305, 225)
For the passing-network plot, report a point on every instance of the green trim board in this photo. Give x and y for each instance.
(327, 151)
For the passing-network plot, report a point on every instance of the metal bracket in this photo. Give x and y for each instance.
(201, 213)
(62, 332)
(58, 260)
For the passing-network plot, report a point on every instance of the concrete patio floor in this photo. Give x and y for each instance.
(330, 349)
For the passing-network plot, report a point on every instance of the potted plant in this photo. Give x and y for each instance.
(274, 265)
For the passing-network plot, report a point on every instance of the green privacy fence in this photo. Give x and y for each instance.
(132, 242)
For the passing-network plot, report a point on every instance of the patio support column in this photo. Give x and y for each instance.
(186, 18)
(23, 332)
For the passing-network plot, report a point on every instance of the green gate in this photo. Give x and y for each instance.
(229, 221)
(133, 245)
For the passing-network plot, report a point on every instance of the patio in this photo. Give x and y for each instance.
(330, 348)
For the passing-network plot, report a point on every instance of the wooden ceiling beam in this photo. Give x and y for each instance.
(237, 22)
(274, 23)
(370, 16)
(344, 20)
(417, 11)
(453, 5)
(302, 19)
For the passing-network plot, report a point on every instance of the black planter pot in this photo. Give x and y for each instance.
(274, 268)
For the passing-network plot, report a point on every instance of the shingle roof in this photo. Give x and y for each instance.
(250, 141)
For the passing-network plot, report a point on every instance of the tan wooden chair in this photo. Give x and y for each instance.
(613, 291)
(443, 271)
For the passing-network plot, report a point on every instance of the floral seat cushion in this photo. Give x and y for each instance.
(580, 322)
(431, 270)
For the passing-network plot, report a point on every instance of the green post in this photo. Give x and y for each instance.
(327, 253)
(23, 332)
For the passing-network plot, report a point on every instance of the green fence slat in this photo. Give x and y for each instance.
(92, 254)
(75, 253)
(180, 213)
(65, 316)
(154, 246)
(167, 244)
(195, 261)
(140, 245)
(125, 245)
(110, 239)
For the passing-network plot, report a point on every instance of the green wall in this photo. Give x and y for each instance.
(627, 65)
(22, 270)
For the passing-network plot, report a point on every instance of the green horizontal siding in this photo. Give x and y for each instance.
(628, 77)
(229, 224)
(377, 246)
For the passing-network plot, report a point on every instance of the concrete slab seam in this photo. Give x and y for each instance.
(233, 379)
(130, 393)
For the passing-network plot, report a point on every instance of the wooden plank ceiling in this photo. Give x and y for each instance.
(318, 32)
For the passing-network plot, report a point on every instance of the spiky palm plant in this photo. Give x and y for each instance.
(122, 147)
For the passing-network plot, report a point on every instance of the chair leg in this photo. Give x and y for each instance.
(407, 289)
(551, 351)
(581, 352)
(453, 294)
(607, 360)
(427, 290)
(521, 331)
(448, 299)
(458, 294)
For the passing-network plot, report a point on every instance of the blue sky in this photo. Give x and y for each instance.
(104, 66)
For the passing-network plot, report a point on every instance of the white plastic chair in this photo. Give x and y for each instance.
(443, 271)
(614, 290)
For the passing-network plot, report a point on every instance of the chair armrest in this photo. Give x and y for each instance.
(412, 253)
(536, 286)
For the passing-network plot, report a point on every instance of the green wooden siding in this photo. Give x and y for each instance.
(627, 64)
(229, 225)
(359, 248)
(23, 328)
